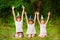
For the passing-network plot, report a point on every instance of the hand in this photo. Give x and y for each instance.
(37, 13)
(23, 7)
(48, 13)
(12, 7)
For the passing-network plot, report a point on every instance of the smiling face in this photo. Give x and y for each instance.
(31, 22)
(18, 19)
(42, 21)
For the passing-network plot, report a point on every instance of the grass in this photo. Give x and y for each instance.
(53, 29)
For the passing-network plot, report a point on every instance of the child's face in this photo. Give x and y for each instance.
(18, 19)
(30, 22)
(42, 21)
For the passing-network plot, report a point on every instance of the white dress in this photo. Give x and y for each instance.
(31, 29)
(43, 31)
(19, 26)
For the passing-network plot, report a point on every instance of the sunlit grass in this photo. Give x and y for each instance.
(7, 32)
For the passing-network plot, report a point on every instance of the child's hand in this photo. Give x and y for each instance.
(37, 13)
(12, 7)
(23, 7)
(48, 13)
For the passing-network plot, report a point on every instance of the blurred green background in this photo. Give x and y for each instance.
(7, 27)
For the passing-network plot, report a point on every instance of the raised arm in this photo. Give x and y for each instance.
(38, 18)
(26, 17)
(35, 18)
(48, 17)
(13, 13)
(23, 11)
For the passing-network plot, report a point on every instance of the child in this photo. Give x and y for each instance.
(18, 23)
(31, 32)
(43, 24)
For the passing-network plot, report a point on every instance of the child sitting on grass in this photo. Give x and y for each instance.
(43, 25)
(18, 23)
(31, 32)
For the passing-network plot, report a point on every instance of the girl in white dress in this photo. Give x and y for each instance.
(18, 23)
(31, 32)
(43, 24)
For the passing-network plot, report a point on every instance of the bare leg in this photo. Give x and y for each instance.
(21, 35)
(16, 35)
(29, 35)
(33, 35)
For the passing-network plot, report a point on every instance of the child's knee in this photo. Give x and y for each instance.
(29, 36)
(33, 35)
(16, 35)
(20, 36)
(42, 36)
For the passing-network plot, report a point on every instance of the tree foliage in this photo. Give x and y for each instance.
(31, 6)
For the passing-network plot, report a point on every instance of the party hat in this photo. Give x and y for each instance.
(30, 17)
(42, 17)
(18, 14)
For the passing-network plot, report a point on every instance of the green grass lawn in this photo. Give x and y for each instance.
(53, 29)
